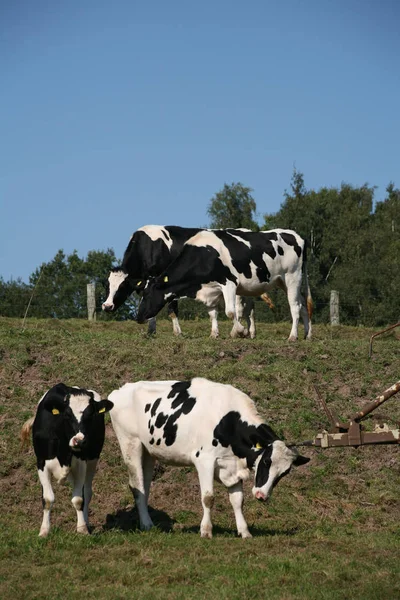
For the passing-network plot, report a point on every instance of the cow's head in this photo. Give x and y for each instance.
(119, 287)
(273, 463)
(154, 297)
(78, 417)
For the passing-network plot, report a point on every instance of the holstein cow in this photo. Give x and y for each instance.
(150, 251)
(224, 263)
(68, 435)
(212, 426)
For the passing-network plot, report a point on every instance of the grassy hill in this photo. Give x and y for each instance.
(330, 531)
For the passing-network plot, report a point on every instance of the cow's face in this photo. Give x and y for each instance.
(153, 299)
(118, 289)
(274, 463)
(78, 416)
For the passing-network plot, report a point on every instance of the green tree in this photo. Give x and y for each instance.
(60, 285)
(14, 297)
(233, 206)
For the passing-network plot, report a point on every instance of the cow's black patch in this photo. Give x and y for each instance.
(161, 419)
(290, 239)
(280, 251)
(197, 453)
(147, 408)
(242, 437)
(151, 441)
(195, 266)
(215, 442)
(182, 403)
(152, 430)
(263, 467)
(155, 406)
(158, 442)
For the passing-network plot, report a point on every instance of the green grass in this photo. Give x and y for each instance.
(331, 530)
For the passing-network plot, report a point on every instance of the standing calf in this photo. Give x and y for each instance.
(68, 435)
(212, 426)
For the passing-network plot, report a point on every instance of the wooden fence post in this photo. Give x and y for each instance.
(91, 301)
(334, 307)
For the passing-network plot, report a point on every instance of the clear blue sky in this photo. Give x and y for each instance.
(118, 114)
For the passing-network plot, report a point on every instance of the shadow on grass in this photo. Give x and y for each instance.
(127, 519)
(255, 531)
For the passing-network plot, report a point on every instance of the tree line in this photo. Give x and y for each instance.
(353, 247)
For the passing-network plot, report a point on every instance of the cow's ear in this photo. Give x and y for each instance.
(139, 285)
(56, 406)
(300, 460)
(103, 406)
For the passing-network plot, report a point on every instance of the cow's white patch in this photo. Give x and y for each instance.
(157, 232)
(78, 405)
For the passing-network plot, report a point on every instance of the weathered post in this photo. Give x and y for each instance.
(334, 307)
(91, 301)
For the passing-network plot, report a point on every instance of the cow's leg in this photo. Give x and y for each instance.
(87, 487)
(236, 500)
(205, 470)
(77, 478)
(213, 313)
(173, 314)
(151, 327)
(229, 293)
(132, 453)
(306, 320)
(148, 469)
(48, 499)
(295, 303)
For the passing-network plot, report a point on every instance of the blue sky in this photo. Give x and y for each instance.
(118, 114)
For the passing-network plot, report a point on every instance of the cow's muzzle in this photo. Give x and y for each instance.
(260, 496)
(107, 307)
(77, 441)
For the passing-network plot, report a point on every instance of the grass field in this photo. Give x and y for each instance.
(331, 530)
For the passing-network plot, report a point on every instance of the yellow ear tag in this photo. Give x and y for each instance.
(166, 278)
(139, 283)
(258, 446)
(55, 411)
(102, 410)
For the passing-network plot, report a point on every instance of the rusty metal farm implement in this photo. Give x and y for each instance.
(351, 433)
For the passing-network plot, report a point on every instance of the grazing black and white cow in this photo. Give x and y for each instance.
(150, 251)
(68, 435)
(213, 426)
(229, 262)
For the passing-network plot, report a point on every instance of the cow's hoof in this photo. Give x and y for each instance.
(44, 533)
(245, 534)
(206, 534)
(292, 338)
(82, 530)
(214, 336)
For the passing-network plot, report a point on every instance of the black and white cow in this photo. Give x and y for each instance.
(213, 426)
(151, 249)
(149, 252)
(226, 263)
(68, 435)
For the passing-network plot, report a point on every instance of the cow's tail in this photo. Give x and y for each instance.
(26, 432)
(309, 300)
(267, 301)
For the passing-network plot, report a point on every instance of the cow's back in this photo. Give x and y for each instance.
(174, 419)
(153, 247)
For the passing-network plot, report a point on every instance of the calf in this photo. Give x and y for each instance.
(228, 262)
(212, 426)
(68, 436)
